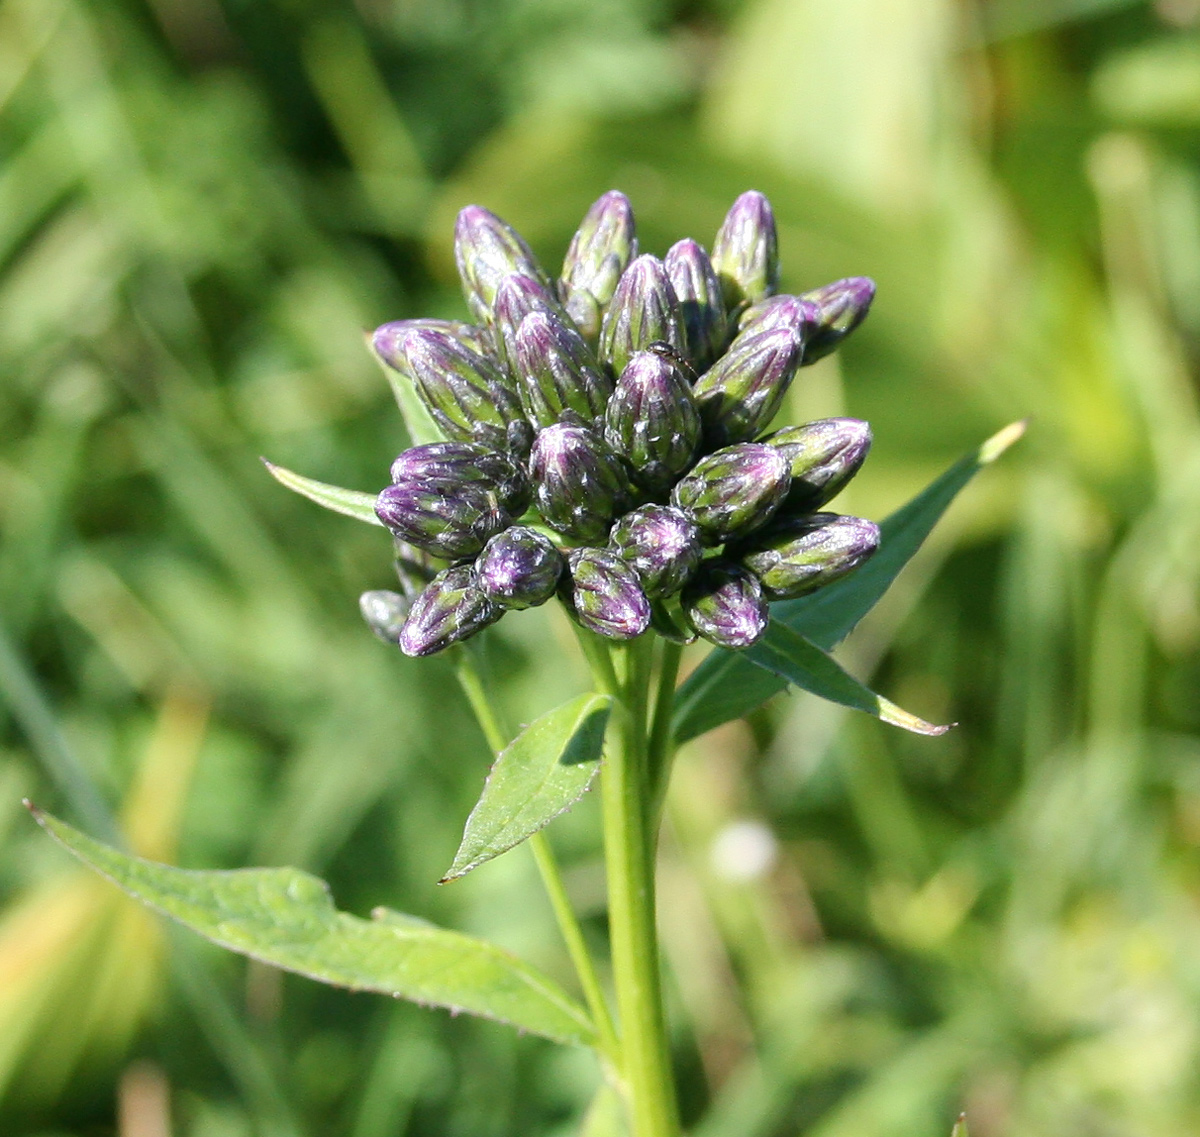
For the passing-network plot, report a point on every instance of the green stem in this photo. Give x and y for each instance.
(629, 860)
(658, 761)
(471, 681)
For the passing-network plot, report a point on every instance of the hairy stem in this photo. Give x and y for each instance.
(471, 681)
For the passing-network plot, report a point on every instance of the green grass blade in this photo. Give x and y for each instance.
(286, 917)
(727, 685)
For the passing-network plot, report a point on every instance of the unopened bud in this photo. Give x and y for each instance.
(740, 394)
(791, 312)
(824, 455)
(604, 594)
(661, 544)
(515, 299)
(644, 309)
(467, 395)
(701, 303)
(733, 491)
(652, 420)
(798, 555)
(842, 306)
(580, 485)
(387, 341)
(557, 372)
(724, 603)
(463, 466)
(385, 613)
(444, 522)
(451, 608)
(601, 249)
(746, 252)
(519, 568)
(487, 250)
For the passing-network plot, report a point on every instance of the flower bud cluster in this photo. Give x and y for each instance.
(606, 438)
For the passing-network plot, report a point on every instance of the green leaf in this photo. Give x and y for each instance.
(727, 685)
(540, 774)
(417, 420)
(353, 503)
(286, 917)
(796, 660)
(960, 1127)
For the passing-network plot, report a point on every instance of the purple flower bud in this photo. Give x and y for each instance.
(842, 306)
(644, 310)
(469, 397)
(519, 568)
(790, 312)
(725, 604)
(451, 609)
(444, 522)
(733, 491)
(487, 250)
(739, 395)
(798, 555)
(701, 304)
(580, 485)
(461, 466)
(746, 253)
(824, 455)
(516, 298)
(415, 568)
(652, 420)
(387, 341)
(602, 247)
(661, 544)
(385, 613)
(557, 372)
(604, 595)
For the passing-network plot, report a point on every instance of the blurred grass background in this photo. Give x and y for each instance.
(203, 203)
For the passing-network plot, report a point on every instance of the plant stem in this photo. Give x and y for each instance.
(629, 860)
(471, 681)
(658, 761)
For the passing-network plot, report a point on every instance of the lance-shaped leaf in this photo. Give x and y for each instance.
(353, 503)
(796, 660)
(286, 918)
(727, 685)
(544, 771)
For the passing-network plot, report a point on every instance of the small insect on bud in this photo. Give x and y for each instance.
(842, 306)
(724, 603)
(385, 613)
(798, 555)
(467, 395)
(746, 252)
(580, 485)
(661, 544)
(740, 394)
(519, 568)
(602, 247)
(644, 309)
(487, 250)
(557, 372)
(798, 316)
(652, 420)
(452, 608)
(733, 491)
(701, 303)
(463, 466)
(604, 594)
(824, 455)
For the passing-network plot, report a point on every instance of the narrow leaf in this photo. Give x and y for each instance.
(286, 917)
(417, 420)
(727, 686)
(796, 660)
(353, 503)
(960, 1127)
(540, 774)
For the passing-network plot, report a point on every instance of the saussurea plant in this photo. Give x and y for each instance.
(604, 440)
